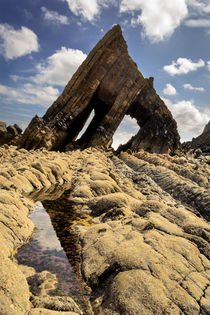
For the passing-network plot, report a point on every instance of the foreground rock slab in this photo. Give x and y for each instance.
(145, 249)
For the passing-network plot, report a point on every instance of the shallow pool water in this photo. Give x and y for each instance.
(44, 252)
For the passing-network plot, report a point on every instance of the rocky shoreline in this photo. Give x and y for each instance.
(140, 214)
(145, 249)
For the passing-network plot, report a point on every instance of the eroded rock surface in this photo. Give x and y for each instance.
(109, 84)
(145, 249)
(7, 134)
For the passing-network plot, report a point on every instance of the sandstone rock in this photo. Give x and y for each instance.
(140, 218)
(8, 133)
(44, 311)
(57, 303)
(109, 84)
(12, 300)
(3, 128)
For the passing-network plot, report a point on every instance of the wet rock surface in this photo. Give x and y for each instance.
(109, 84)
(142, 223)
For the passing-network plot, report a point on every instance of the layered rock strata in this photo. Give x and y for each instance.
(109, 84)
(146, 247)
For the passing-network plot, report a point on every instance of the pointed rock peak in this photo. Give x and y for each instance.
(107, 86)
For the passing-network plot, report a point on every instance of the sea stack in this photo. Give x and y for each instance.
(109, 84)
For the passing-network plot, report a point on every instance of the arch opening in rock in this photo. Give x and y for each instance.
(100, 110)
(88, 121)
(78, 124)
(125, 131)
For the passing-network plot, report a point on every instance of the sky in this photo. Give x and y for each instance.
(42, 43)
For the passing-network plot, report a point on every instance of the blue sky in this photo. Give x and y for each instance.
(42, 42)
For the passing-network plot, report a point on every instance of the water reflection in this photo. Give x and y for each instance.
(44, 252)
(46, 235)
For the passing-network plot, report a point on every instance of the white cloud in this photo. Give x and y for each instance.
(190, 120)
(192, 88)
(29, 94)
(121, 137)
(127, 128)
(59, 67)
(88, 9)
(199, 14)
(17, 43)
(56, 70)
(183, 66)
(169, 89)
(208, 63)
(54, 17)
(198, 23)
(159, 17)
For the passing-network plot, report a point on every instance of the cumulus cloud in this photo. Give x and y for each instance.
(192, 88)
(208, 64)
(190, 120)
(29, 94)
(88, 9)
(159, 18)
(59, 67)
(183, 66)
(169, 89)
(17, 43)
(54, 17)
(55, 70)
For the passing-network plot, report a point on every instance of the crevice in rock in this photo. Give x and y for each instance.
(204, 292)
(14, 236)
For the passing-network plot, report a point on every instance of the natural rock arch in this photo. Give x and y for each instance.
(109, 82)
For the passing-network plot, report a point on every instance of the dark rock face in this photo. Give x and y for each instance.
(158, 130)
(202, 142)
(108, 83)
(8, 133)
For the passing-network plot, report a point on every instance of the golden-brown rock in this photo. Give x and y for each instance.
(145, 249)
